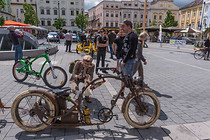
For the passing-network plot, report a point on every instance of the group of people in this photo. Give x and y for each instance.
(128, 52)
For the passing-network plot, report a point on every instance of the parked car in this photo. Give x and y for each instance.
(188, 40)
(74, 36)
(51, 36)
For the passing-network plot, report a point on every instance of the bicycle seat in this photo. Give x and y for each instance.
(62, 91)
(27, 57)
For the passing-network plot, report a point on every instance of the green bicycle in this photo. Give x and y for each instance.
(54, 76)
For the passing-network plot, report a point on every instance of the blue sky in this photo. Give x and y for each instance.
(90, 3)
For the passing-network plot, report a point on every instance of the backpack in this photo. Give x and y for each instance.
(72, 64)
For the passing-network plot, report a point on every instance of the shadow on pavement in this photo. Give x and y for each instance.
(33, 85)
(85, 133)
(2, 123)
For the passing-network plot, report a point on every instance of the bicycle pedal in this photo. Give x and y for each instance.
(116, 116)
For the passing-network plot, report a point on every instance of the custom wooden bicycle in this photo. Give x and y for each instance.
(34, 110)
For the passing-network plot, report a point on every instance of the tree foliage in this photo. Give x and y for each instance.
(30, 15)
(153, 23)
(59, 23)
(137, 28)
(169, 20)
(81, 21)
(2, 4)
(2, 21)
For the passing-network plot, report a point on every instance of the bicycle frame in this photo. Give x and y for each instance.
(28, 65)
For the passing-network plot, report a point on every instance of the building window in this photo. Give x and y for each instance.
(155, 17)
(136, 5)
(111, 24)
(206, 9)
(116, 15)
(107, 24)
(194, 15)
(72, 23)
(22, 10)
(129, 4)
(48, 23)
(161, 5)
(77, 12)
(107, 6)
(124, 15)
(55, 12)
(17, 0)
(125, 4)
(72, 12)
(182, 25)
(135, 15)
(193, 25)
(116, 6)
(112, 15)
(107, 14)
(116, 24)
(129, 15)
(72, 3)
(31, 0)
(146, 16)
(43, 22)
(142, 5)
(198, 24)
(24, 0)
(188, 15)
(160, 17)
(183, 17)
(112, 6)
(141, 16)
(63, 12)
(48, 11)
(47, 1)
(42, 11)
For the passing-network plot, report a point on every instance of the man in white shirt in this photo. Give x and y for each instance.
(69, 40)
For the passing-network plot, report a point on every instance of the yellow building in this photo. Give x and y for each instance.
(191, 14)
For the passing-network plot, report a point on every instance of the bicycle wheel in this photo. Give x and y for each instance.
(19, 72)
(139, 118)
(58, 81)
(24, 111)
(198, 54)
(77, 47)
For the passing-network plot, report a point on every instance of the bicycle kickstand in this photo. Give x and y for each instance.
(2, 107)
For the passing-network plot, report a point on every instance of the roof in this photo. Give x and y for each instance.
(192, 4)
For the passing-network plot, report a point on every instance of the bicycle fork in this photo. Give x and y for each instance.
(51, 66)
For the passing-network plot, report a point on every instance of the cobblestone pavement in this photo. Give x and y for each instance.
(180, 82)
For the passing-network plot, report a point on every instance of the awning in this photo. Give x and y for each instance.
(14, 23)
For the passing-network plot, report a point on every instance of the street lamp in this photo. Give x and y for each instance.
(58, 9)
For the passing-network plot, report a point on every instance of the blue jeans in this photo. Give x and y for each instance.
(111, 51)
(18, 52)
(128, 67)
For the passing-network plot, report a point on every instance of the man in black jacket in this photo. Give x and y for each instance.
(207, 47)
(129, 49)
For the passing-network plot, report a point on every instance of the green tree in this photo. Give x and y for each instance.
(137, 28)
(30, 15)
(2, 4)
(81, 21)
(169, 20)
(59, 23)
(153, 23)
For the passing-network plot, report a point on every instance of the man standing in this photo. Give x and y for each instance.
(83, 72)
(102, 43)
(129, 49)
(69, 40)
(14, 38)
(112, 37)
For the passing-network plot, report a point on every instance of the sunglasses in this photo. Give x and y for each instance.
(87, 61)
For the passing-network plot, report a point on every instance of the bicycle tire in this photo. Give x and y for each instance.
(130, 114)
(49, 79)
(20, 111)
(198, 54)
(15, 73)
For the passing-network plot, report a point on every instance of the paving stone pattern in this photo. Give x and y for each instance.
(180, 82)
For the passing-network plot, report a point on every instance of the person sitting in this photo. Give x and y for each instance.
(83, 72)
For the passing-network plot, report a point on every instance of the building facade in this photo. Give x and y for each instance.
(48, 10)
(191, 15)
(112, 13)
(17, 8)
(7, 11)
(159, 9)
(206, 12)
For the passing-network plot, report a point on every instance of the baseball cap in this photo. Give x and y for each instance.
(127, 22)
